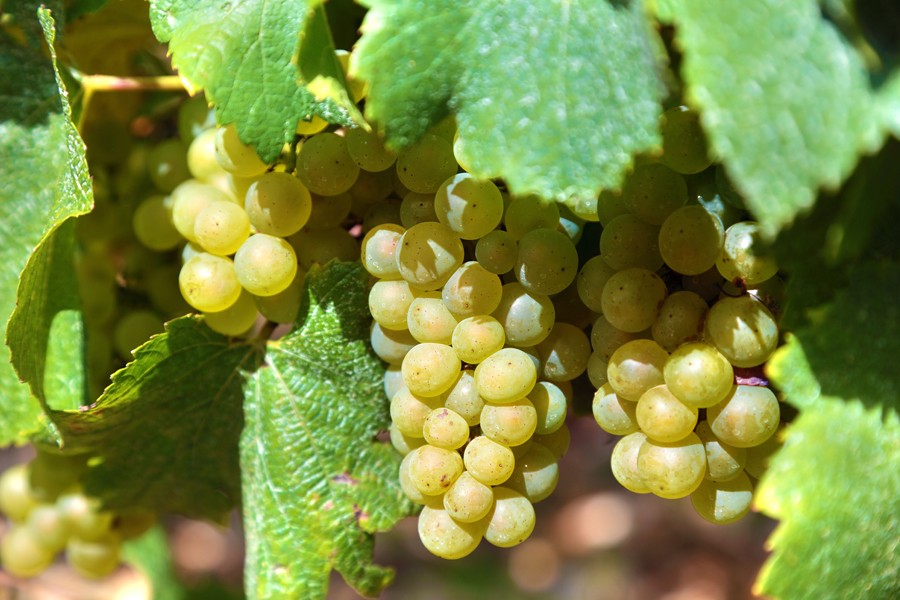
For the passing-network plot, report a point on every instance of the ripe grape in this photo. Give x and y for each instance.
(691, 239)
(631, 299)
(21, 554)
(722, 502)
(153, 225)
(636, 367)
(476, 338)
(425, 165)
(446, 537)
(379, 251)
(511, 520)
(428, 319)
(48, 527)
(489, 462)
(265, 264)
(167, 164)
(627, 241)
(327, 212)
(547, 262)
(17, 499)
(134, 329)
(409, 411)
(564, 353)
(463, 398)
(614, 414)
(536, 474)
(472, 290)
(747, 417)
(367, 150)
(236, 157)
(680, 320)
(684, 145)
(527, 317)
(556, 442)
(428, 254)
(94, 558)
(527, 213)
(469, 206)
(430, 369)
(497, 251)
(221, 228)
(187, 200)
(390, 345)
(723, 461)
(743, 330)
(324, 165)
(468, 500)
(663, 417)
(698, 375)
(624, 463)
(209, 283)
(445, 428)
(591, 280)
(740, 258)
(433, 470)
(511, 423)
(505, 376)
(653, 192)
(389, 303)
(551, 404)
(278, 204)
(672, 469)
(284, 306)
(417, 208)
(323, 245)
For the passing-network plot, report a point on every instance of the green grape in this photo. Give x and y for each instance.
(153, 225)
(393, 381)
(367, 150)
(469, 206)
(684, 145)
(527, 317)
(327, 212)
(564, 353)
(209, 283)
(472, 290)
(680, 320)
(551, 404)
(428, 319)
(663, 417)
(278, 204)
(370, 189)
(536, 474)
(672, 469)
(722, 502)
(430, 369)
(703, 191)
(400, 190)
(201, 158)
(17, 499)
(417, 208)
(691, 239)
(84, 516)
(94, 558)
(134, 523)
(53, 473)
(723, 461)
(527, 213)
(511, 519)
(265, 265)
(758, 456)
(310, 124)
(381, 213)
(403, 443)
(556, 442)
(584, 208)
(635, 367)
(236, 157)
(476, 338)
(610, 205)
(21, 554)
(613, 414)
(284, 306)
(740, 258)
(390, 345)
(653, 192)
(597, 368)
(323, 245)
(428, 254)
(167, 164)
(627, 242)
(698, 375)
(406, 482)
(511, 423)
(409, 410)
(624, 463)
(497, 251)
(445, 428)
(134, 329)
(487, 461)
(235, 320)
(445, 128)
(570, 224)
(48, 527)
(463, 398)
(221, 228)
(238, 186)
(631, 299)
(97, 287)
(433, 470)
(468, 500)
(505, 376)
(606, 339)
(743, 330)
(425, 165)
(707, 285)
(446, 537)
(547, 262)
(747, 417)
(591, 280)
(187, 200)
(195, 117)
(324, 165)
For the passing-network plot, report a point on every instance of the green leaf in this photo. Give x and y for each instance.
(166, 431)
(785, 101)
(151, 554)
(554, 97)
(316, 483)
(242, 54)
(835, 486)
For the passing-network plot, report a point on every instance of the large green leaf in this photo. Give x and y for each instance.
(835, 486)
(555, 97)
(316, 483)
(243, 55)
(785, 101)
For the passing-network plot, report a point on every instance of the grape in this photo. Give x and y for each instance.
(468, 500)
(469, 206)
(167, 164)
(631, 299)
(691, 239)
(672, 469)
(740, 259)
(153, 225)
(417, 208)
(21, 553)
(511, 520)
(707, 285)
(409, 410)
(547, 262)
(433, 470)
(94, 558)
(381, 213)
(703, 191)
(428, 254)
(430, 369)
(570, 224)
(636, 367)
(723, 461)
(680, 320)
(367, 150)
(236, 157)
(221, 228)
(235, 320)
(591, 280)
(758, 456)
(463, 398)
(564, 353)
(497, 251)
(195, 117)
(747, 417)
(551, 405)
(265, 264)
(743, 330)
(52, 473)
(17, 499)
(278, 204)
(597, 368)
(476, 338)
(487, 461)
(606, 339)
(663, 417)
(627, 242)
(624, 463)
(722, 502)
(323, 245)
(527, 213)
(48, 527)
(684, 145)
(402, 443)
(505, 376)
(201, 158)
(510, 424)
(311, 124)
(134, 523)
(187, 200)
(653, 192)
(445, 428)
(527, 317)
(406, 482)
(612, 413)
(393, 380)
(445, 537)
(327, 212)
(428, 319)
(134, 329)
(425, 165)
(84, 516)
(536, 474)
(324, 165)
(390, 345)
(370, 189)
(610, 205)
(209, 283)
(556, 442)
(698, 375)
(284, 306)
(472, 290)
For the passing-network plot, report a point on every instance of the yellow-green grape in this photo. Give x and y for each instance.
(653, 192)
(406, 482)
(278, 204)
(134, 329)
(235, 320)
(556, 442)
(417, 208)
(391, 345)
(134, 523)
(690, 240)
(743, 330)
(393, 381)
(445, 428)
(469, 206)
(610, 205)
(463, 398)
(284, 306)
(425, 165)
(17, 499)
(236, 157)
(430, 369)
(53, 473)
(527, 317)
(722, 502)
(370, 189)
(21, 554)
(747, 417)
(221, 228)
(511, 520)
(445, 128)
(699, 375)
(167, 164)
(758, 456)
(672, 469)
(723, 461)
(476, 338)
(635, 367)
(409, 410)
(564, 353)
(324, 165)
(631, 299)
(612, 413)
(591, 280)
(624, 463)
(487, 461)
(740, 258)
(97, 284)
(684, 145)
(536, 474)
(597, 368)
(497, 251)
(628, 242)
(680, 320)
(522, 449)
(265, 264)
(510, 424)
(428, 254)
(84, 516)
(48, 527)
(311, 124)
(201, 158)
(505, 376)
(402, 443)
(94, 558)
(327, 212)
(663, 417)
(153, 225)
(433, 470)
(367, 150)
(209, 283)
(187, 200)
(428, 319)
(468, 500)
(527, 213)
(550, 402)
(472, 290)
(380, 213)
(547, 262)
(195, 117)
(238, 186)
(606, 339)
(323, 245)
(446, 537)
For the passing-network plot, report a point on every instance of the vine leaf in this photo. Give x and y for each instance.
(316, 483)
(554, 97)
(243, 55)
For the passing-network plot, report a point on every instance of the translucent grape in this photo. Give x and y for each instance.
(722, 502)
(527, 317)
(476, 338)
(472, 290)
(672, 469)
(406, 482)
(691, 239)
(627, 242)
(597, 368)
(425, 165)
(389, 302)
(236, 157)
(698, 375)
(48, 527)
(680, 319)
(526, 213)
(430, 369)
(390, 345)
(284, 306)
(743, 330)
(606, 339)
(221, 228)
(463, 398)
(723, 461)
(209, 283)
(417, 208)
(612, 413)
(17, 499)
(409, 410)
(468, 500)
(21, 553)
(445, 428)
(469, 206)
(95, 558)
(747, 417)
(278, 204)
(511, 520)
(505, 376)
(570, 224)
(740, 258)
(684, 145)
(547, 262)
(393, 380)
(135, 328)
(550, 402)
(167, 164)
(433, 470)
(487, 461)
(201, 158)
(84, 516)
(265, 264)
(536, 474)
(187, 200)
(153, 225)
(324, 165)
(511, 423)
(428, 254)
(624, 463)
(591, 280)
(631, 299)
(636, 367)
(610, 205)
(318, 247)
(497, 251)
(310, 125)
(564, 353)
(367, 150)
(663, 417)
(446, 537)
(428, 319)
(653, 192)
(402, 443)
